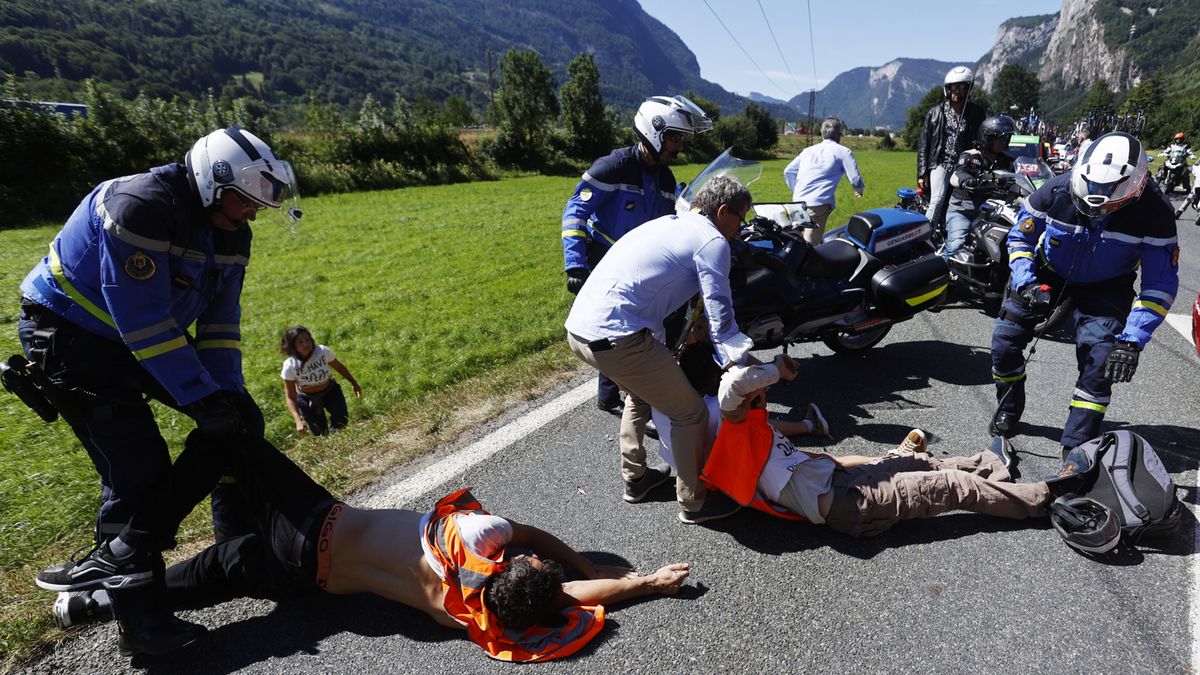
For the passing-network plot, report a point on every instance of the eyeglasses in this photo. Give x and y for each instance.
(673, 136)
(246, 201)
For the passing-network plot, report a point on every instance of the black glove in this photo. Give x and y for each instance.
(1121, 363)
(575, 278)
(216, 416)
(1036, 297)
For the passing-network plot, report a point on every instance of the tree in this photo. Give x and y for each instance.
(766, 131)
(1146, 97)
(589, 132)
(458, 112)
(916, 116)
(1017, 88)
(526, 107)
(1099, 98)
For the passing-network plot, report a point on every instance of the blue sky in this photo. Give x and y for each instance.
(846, 34)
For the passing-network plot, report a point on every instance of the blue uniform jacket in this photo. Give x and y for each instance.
(618, 193)
(138, 262)
(1050, 231)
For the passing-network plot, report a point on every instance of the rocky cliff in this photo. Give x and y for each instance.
(1078, 55)
(878, 96)
(1021, 41)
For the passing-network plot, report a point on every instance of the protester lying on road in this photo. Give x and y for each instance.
(758, 466)
(457, 563)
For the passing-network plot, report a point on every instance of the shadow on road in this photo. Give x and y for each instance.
(297, 626)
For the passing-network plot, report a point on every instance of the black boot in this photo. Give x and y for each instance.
(144, 625)
(1004, 424)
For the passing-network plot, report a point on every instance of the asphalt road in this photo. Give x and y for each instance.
(959, 593)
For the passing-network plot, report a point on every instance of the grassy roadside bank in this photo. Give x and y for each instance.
(446, 302)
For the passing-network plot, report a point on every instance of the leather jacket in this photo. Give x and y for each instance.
(930, 152)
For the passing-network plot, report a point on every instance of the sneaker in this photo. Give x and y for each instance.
(913, 443)
(100, 569)
(820, 426)
(636, 490)
(1003, 449)
(1004, 424)
(82, 607)
(652, 429)
(716, 506)
(611, 407)
(156, 635)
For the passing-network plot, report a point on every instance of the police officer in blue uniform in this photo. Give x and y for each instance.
(624, 189)
(105, 316)
(1084, 234)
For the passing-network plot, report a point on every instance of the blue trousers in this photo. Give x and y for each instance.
(1100, 313)
(314, 406)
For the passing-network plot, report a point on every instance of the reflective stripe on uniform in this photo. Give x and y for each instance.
(1085, 396)
(1088, 405)
(160, 348)
(1020, 254)
(56, 269)
(219, 344)
(1008, 378)
(1152, 306)
(567, 234)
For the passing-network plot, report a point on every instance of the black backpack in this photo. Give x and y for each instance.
(1121, 470)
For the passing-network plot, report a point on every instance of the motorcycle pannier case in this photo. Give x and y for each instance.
(903, 290)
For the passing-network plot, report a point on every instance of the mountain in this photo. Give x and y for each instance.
(878, 96)
(340, 50)
(1022, 41)
(771, 100)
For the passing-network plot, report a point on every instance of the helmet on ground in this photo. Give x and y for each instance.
(659, 115)
(1085, 524)
(235, 159)
(958, 75)
(996, 128)
(1179, 137)
(1111, 174)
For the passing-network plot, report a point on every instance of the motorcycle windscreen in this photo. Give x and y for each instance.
(745, 171)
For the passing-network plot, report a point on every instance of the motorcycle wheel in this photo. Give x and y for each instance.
(845, 343)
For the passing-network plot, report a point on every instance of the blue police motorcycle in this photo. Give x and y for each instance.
(877, 270)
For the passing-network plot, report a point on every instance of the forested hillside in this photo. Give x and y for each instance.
(337, 50)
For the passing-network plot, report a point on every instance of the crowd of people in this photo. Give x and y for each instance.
(106, 318)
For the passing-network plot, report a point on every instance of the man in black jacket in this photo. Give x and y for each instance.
(948, 130)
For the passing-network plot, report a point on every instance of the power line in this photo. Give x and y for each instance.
(739, 44)
(812, 44)
(777, 47)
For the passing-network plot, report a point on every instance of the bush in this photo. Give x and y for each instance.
(886, 143)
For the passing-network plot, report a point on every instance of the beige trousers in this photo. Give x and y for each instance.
(820, 215)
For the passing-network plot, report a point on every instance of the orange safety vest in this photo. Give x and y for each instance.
(737, 460)
(467, 575)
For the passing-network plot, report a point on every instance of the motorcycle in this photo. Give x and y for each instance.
(875, 271)
(1193, 198)
(981, 265)
(1174, 170)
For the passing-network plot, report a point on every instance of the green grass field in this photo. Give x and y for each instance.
(446, 302)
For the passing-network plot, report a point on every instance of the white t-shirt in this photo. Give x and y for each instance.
(310, 373)
(485, 535)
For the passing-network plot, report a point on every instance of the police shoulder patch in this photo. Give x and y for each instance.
(630, 205)
(1175, 257)
(585, 194)
(1027, 226)
(140, 266)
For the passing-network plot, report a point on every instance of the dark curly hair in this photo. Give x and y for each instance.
(287, 345)
(522, 595)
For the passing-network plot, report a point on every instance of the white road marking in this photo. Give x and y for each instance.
(1183, 324)
(444, 470)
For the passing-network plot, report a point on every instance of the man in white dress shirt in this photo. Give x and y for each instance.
(814, 175)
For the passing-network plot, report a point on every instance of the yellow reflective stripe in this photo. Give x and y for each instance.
(574, 233)
(913, 302)
(1008, 378)
(607, 238)
(1088, 405)
(219, 344)
(160, 348)
(1020, 254)
(72, 292)
(1152, 306)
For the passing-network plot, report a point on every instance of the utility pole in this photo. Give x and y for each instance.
(491, 88)
(812, 113)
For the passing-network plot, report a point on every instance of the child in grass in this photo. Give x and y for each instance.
(310, 387)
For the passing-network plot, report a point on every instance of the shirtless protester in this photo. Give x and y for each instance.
(456, 564)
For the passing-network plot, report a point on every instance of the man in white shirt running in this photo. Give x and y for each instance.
(814, 175)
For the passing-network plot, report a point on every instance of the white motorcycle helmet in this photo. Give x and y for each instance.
(1111, 173)
(659, 114)
(958, 75)
(235, 159)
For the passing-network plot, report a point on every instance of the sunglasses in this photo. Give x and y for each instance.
(673, 136)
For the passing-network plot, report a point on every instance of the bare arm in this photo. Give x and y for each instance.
(547, 545)
(665, 581)
(345, 372)
(289, 392)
